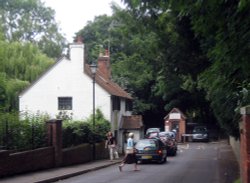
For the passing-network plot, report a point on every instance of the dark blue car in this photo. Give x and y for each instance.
(151, 150)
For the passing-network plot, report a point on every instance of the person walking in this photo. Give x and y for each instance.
(111, 145)
(130, 157)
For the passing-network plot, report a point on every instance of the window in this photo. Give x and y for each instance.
(64, 103)
(116, 103)
(129, 105)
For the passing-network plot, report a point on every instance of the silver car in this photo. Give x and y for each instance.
(200, 133)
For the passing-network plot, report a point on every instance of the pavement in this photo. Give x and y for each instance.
(229, 169)
(55, 174)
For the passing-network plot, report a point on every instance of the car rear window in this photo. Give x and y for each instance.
(146, 143)
(152, 134)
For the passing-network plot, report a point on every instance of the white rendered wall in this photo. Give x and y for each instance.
(66, 79)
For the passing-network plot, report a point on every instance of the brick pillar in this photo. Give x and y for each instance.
(54, 131)
(245, 144)
(182, 129)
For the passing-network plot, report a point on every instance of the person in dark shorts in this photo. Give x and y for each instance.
(130, 157)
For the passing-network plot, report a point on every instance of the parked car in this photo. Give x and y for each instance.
(150, 130)
(169, 139)
(171, 134)
(151, 150)
(200, 133)
(152, 135)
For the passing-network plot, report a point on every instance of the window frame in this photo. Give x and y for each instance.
(65, 103)
(116, 103)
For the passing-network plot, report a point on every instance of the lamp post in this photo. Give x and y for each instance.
(93, 68)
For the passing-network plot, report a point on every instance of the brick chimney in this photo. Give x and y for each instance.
(104, 65)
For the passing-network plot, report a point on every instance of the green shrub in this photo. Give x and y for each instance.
(16, 134)
(30, 132)
(75, 133)
(78, 132)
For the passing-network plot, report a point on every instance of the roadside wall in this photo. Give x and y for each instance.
(22, 162)
(235, 144)
(245, 144)
(49, 157)
(83, 153)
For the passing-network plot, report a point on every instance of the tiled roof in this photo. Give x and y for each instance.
(107, 84)
(175, 110)
(132, 122)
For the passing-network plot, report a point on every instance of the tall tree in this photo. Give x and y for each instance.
(181, 58)
(96, 36)
(20, 64)
(31, 21)
(226, 44)
(222, 30)
(152, 60)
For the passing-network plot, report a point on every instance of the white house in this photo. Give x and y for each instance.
(68, 86)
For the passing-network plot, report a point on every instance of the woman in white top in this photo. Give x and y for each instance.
(130, 157)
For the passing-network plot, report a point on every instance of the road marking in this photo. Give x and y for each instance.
(202, 147)
(183, 146)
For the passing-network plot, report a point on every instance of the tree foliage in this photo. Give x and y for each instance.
(20, 64)
(225, 43)
(31, 21)
(221, 29)
(190, 55)
(28, 31)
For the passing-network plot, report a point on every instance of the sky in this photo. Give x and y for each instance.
(73, 15)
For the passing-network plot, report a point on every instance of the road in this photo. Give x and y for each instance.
(194, 163)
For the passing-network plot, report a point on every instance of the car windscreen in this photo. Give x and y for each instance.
(200, 130)
(150, 130)
(146, 144)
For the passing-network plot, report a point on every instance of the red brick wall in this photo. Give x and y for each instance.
(101, 152)
(245, 144)
(182, 128)
(21, 162)
(44, 158)
(83, 153)
(77, 154)
(49, 157)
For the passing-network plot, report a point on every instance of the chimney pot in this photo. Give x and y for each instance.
(106, 52)
(79, 39)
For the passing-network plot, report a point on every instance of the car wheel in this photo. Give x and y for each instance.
(174, 153)
(171, 153)
(141, 162)
(165, 160)
(160, 161)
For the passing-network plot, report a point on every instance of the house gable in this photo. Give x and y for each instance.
(71, 78)
(175, 113)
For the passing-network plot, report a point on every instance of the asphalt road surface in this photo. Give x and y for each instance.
(194, 163)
